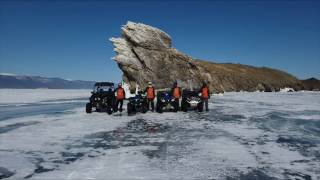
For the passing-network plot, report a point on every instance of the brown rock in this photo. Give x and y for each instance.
(145, 53)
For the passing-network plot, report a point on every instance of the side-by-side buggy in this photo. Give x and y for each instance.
(191, 100)
(102, 98)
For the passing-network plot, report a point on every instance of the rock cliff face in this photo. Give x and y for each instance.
(145, 53)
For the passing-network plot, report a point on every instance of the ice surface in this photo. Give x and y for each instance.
(25, 96)
(243, 136)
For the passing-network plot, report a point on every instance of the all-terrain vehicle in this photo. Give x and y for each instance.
(191, 100)
(165, 102)
(138, 103)
(102, 98)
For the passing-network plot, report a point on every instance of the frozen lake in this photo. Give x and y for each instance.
(46, 134)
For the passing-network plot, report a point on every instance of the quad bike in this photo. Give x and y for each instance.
(191, 100)
(102, 98)
(165, 102)
(138, 103)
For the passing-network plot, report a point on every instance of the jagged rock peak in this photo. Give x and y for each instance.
(146, 36)
(144, 53)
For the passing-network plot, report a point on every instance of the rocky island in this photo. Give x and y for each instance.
(145, 53)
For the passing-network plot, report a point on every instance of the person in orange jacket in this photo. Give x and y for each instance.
(120, 96)
(176, 94)
(150, 95)
(205, 94)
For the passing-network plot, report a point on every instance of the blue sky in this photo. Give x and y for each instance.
(69, 39)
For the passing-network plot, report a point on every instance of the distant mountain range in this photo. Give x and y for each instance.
(33, 82)
(311, 84)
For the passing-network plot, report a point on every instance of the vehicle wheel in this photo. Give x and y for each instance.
(176, 107)
(109, 110)
(88, 108)
(144, 109)
(129, 108)
(184, 107)
(159, 108)
(200, 107)
(115, 108)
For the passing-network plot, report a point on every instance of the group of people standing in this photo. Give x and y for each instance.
(151, 95)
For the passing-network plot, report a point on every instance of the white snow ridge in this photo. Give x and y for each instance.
(243, 136)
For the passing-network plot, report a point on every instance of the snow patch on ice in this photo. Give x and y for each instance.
(286, 89)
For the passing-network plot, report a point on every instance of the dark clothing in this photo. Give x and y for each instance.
(205, 102)
(119, 101)
(151, 102)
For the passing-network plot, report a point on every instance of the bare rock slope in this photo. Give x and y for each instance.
(145, 53)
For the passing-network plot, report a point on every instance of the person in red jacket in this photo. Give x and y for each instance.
(150, 95)
(120, 96)
(176, 94)
(205, 95)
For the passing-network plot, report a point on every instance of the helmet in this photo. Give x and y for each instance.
(175, 84)
(204, 83)
(149, 83)
(119, 85)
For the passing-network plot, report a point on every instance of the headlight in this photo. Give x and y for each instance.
(196, 99)
(162, 100)
(193, 100)
(172, 99)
